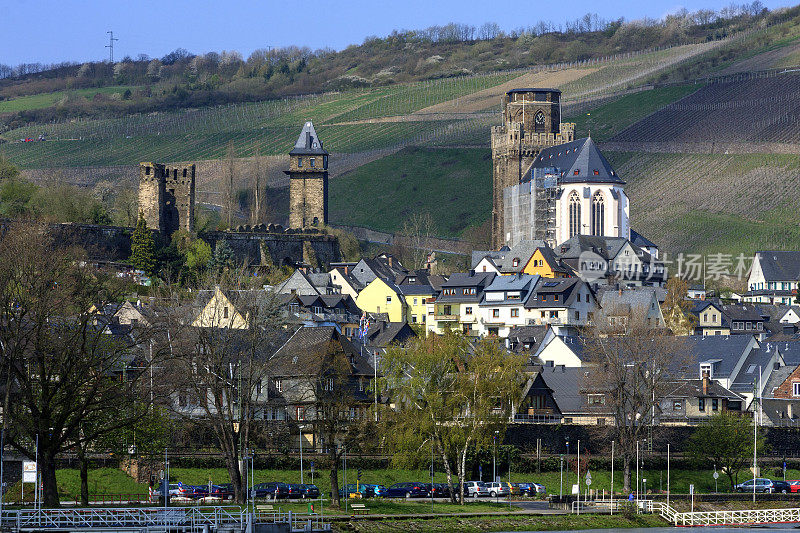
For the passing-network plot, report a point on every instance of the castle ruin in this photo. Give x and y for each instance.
(166, 197)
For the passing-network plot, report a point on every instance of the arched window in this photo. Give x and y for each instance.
(598, 214)
(574, 214)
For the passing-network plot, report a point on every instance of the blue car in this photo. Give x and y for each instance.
(407, 490)
(378, 490)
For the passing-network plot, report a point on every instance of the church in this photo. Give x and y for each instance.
(549, 186)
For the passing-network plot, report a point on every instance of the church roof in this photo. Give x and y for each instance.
(578, 162)
(308, 143)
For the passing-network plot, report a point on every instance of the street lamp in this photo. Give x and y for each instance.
(494, 459)
(566, 441)
(300, 428)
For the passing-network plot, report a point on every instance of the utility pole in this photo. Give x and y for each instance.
(110, 45)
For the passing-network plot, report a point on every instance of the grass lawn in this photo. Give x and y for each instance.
(39, 101)
(454, 185)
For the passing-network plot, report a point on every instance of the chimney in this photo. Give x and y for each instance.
(390, 261)
(789, 412)
(706, 383)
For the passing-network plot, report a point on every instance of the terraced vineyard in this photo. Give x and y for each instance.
(760, 109)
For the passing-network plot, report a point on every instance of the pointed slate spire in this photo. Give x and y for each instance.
(308, 142)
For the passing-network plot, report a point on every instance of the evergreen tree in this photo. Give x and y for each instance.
(223, 256)
(143, 247)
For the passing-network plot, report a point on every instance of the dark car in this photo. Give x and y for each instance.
(407, 490)
(441, 490)
(197, 492)
(308, 491)
(295, 491)
(224, 491)
(271, 491)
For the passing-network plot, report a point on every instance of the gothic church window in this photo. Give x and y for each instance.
(574, 214)
(598, 214)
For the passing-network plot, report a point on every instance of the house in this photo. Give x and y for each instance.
(526, 338)
(637, 239)
(538, 404)
(567, 351)
(619, 305)
(710, 318)
(560, 302)
(579, 398)
(217, 309)
(611, 260)
(456, 307)
(417, 299)
(311, 283)
(347, 284)
(546, 264)
(383, 296)
(502, 306)
(693, 400)
(773, 278)
(312, 362)
(696, 292)
(384, 266)
(381, 334)
(324, 310)
(745, 319)
(507, 260)
(720, 357)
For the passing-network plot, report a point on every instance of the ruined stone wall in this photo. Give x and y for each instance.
(166, 197)
(151, 194)
(282, 248)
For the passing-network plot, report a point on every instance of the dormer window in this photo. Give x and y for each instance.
(576, 173)
(516, 262)
(596, 172)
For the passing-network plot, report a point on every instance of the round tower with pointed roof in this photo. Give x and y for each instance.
(308, 180)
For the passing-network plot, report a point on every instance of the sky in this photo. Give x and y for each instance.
(49, 31)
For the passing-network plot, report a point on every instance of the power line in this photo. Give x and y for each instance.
(110, 46)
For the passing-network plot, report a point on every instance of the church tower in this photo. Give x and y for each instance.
(531, 122)
(308, 180)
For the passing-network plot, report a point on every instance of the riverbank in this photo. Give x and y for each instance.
(474, 524)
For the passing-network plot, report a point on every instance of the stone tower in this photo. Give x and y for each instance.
(531, 122)
(166, 197)
(308, 180)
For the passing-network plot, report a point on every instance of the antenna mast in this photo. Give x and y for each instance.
(110, 45)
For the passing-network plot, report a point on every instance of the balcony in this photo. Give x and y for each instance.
(444, 318)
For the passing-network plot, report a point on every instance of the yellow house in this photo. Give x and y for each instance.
(416, 299)
(219, 312)
(544, 263)
(382, 297)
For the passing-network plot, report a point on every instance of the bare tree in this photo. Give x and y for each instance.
(230, 180)
(65, 373)
(415, 239)
(631, 366)
(221, 351)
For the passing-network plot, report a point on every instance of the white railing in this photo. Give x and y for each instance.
(191, 518)
(720, 518)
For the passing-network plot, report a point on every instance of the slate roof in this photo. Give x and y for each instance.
(627, 300)
(531, 336)
(569, 386)
(605, 247)
(304, 353)
(641, 241)
(566, 288)
(580, 156)
(504, 260)
(758, 358)
(779, 265)
(459, 280)
(382, 334)
(776, 379)
(414, 290)
(723, 350)
(308, 143)
(693, 388)
(517, 283)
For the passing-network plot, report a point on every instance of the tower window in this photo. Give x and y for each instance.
(598, 214)
(311, 162)
(299, 162)
(146, 171)
(184, 172)
(574, 214)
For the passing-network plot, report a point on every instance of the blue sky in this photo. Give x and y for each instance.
(75, 30)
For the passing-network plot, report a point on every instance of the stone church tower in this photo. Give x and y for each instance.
(166, 197)
(308, 180)
(531, 122)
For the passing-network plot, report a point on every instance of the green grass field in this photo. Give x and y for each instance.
(40, 101)
(453, 185)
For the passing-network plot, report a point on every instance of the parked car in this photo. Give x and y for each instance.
(308, 491)
(196, 492)
(476, 489)
(794, 485)
(378, 490)
(764, 485)
(407, 490)
(364, 489)
(224, 491)
(497, 488)
(442, 490)
(158, 492)
(295, 490)
(274, 490)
